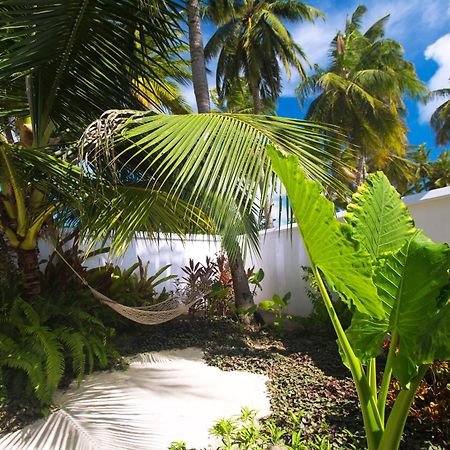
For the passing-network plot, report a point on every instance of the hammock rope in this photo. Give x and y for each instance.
(148, 315)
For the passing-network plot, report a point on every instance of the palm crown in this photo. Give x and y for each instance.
(362, 91)
(252, 40)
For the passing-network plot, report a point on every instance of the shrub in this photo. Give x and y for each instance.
(43, 341)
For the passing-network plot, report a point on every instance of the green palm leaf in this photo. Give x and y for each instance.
(205, 157)
(80, 58)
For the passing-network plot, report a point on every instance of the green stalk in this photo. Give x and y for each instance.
(385, 382)
(372, 422)
(372, 376)
(17, 192)
(396, 423)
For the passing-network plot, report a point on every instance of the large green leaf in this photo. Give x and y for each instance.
(410, 283)
(380, 219)
(330, 247)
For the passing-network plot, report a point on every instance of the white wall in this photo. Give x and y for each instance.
(175, 252)
(282, 252)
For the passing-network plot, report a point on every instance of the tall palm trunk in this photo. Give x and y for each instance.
(242, 294)
(28, 262)
(254, 91)
(199, 79)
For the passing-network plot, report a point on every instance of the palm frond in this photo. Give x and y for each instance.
(79, 58)
(200, 158)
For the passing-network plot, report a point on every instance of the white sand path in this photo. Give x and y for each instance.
(162, 397)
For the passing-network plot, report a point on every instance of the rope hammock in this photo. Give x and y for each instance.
(148, 315)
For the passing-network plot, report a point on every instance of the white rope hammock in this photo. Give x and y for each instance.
(148, 315)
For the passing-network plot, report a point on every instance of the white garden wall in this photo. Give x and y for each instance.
(282, 251)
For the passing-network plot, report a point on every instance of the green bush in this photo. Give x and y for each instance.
(45, 340)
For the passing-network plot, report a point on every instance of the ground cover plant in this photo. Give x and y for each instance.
(305, 373)
(393, 279)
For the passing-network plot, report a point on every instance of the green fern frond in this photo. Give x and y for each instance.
(75, 343)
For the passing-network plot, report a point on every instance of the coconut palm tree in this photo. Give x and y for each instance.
(362, 91)
(61, 65)
(212, 161)
(253, 42)
(440, 120)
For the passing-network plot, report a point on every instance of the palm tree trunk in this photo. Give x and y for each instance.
(254, 90)
(243, 297)
(199, 79)
(362, 169)
(28, 262)
(241, 287)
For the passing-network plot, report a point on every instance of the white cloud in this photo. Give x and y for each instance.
(411, 22)
(439, 51)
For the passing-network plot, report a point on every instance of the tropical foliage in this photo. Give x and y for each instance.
(61, 66)
(41, 343)
(440, 120)
(375, 263)
(211, 161)
(252, 41)
(362, 92)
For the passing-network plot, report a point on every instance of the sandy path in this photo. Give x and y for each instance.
(162, 397)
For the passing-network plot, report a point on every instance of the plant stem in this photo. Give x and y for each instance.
(372, 375)
(396, 423)
(372, 422)
(381, 403)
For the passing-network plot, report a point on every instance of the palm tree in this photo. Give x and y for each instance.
(199, 79)
(252, 41)
(239, 100)
(362, 90)
(440, 120)
(212, 161)
(61, 65)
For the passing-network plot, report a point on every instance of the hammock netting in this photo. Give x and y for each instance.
(148, 315)
(154, 314)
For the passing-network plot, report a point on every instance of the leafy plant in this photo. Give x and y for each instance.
(43, 342)
(213, 279)
(255, 279)
(392, 277)
(131, 287)
(246, 432)
(277, 306)
(319, 315)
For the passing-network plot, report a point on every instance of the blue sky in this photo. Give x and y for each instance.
(421, 26)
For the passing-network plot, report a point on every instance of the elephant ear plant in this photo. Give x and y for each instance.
(392, 277)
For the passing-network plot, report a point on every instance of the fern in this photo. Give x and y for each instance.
(75, 343)
(42, 341)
